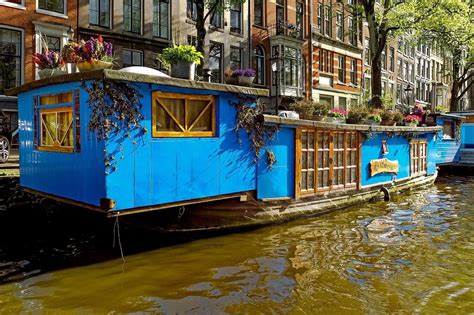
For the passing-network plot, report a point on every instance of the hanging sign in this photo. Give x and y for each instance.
(383, 166)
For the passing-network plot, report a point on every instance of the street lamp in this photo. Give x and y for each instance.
(70, 33)
(408, 95)
(276, 69)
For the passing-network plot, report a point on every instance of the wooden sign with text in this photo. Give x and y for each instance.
(383, 166)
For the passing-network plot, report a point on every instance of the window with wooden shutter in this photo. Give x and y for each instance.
(183, 115)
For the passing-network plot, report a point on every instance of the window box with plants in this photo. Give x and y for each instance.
(337, 116)
(357, 115)
(309, 110)
(374, 118)
(243, 77)
(94, 54)
(49, 64)
(182, 60)
(412, 120)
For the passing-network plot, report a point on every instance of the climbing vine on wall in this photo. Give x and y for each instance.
(115, 113)
(249, 117)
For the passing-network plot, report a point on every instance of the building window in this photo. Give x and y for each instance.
(99, 13)
(327, 160)
(215, 61)
(341, 74)
(367, 52)
(391, 58)
(292, 67)
(352, 25)
(259, 65)
(299, 19)
(216, 17)
(161, 20)
(236, 18)
(191, 9)
(405, 71)
(418, 157)
(57, 6)
(354, 71)
(132, 58)
(183, 115)
(339, 26)
(132, 16)
(326, 61)
(383, 57)
(55, 130)
(258, 12)
(327, 20)
(13, 3)
(52, 43)
(320, 17)
(400, 68)
(10, 58)
(235, 58)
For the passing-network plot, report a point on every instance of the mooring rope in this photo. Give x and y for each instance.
(117, 225)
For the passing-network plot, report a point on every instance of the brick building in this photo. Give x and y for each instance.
(26, 26)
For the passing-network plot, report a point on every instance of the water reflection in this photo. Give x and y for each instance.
(414, 254)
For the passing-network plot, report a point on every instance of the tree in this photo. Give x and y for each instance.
(387, 19)
(452, 29)
(201, 17)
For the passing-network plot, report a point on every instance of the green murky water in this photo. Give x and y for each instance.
(412, 255)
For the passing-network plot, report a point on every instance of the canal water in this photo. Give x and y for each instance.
(414, 254)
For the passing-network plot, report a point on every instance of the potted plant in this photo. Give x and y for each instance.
(320, 110)
(49, 63)
(387, 118)
(357, 115)
(397, 117)
(441, 109)
(94, 54)
(337, 116)
(304, 108)
(242, 77)
(374, 118)
(182, 59)
(412, 120)
(70, 56)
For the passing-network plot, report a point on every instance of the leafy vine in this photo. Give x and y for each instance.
(250, 118)
(115, 112)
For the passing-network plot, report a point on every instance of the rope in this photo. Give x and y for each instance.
(117, 225)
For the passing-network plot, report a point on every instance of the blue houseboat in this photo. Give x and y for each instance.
(186, 154)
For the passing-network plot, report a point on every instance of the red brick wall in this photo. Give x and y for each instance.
(23, 19)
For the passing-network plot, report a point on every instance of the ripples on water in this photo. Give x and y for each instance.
(412, 255)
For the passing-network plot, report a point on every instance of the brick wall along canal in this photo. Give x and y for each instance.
(413, 254)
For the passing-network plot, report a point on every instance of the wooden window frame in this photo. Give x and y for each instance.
(419, 159)
(187, 132)
(299, 192)
(71, 106)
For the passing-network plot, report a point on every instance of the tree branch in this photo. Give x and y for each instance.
(211, 10)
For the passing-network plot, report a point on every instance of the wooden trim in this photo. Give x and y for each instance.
(77, 119)
(298, 163)
(55, 149)
(186, 128)
(35, 123)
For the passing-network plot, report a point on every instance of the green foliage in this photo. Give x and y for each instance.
(358, 113)
(177, 53)
(387, 115)
(309, 107)
(397, 117)
(441, 109)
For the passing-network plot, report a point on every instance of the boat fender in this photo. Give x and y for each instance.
(386, 193)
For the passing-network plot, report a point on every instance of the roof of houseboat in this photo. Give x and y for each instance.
(107, 74)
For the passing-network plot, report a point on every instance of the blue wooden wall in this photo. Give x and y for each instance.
(448, 149)
(399, 150)
(163, 170)
(80, 175)
(467, 135)
(278, 181)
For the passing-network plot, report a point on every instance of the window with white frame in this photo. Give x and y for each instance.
(56, 6)
(11, 55)
(132, 16)
(259, 65)
(340, 26)
(99, 13)
(354, 71)
(13, 3)
(132, 58)
(161, 18)
(49, 36)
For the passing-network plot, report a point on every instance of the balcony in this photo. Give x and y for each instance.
(281, 29)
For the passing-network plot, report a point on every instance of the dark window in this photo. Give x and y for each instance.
(10, 59)
(52, 42)
(236, 18)
(327, 20)
(259, 65)
(161, 18)
(391, 58)
(354, 71)
(258, 12)
(341, 74)
(52, 5)
(367, 52)
(132, 16)
(191, 10)
(384, 58)
(235, 58)
(320, 17)
(448, 130)
(352, 25)
(216, 16)
(339, 26)
(292, 66)
(99, 13)
(132, 58)
(215, 61)
(299, 18)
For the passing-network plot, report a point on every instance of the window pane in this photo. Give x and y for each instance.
(193, 109)
(175, 107)
(65, 134)
(48, 127)
(10, 59)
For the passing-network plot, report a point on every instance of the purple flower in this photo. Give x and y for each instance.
(243, 73)
(249, 72)
(108, 48)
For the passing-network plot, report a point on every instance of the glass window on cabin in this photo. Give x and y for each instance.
(54, 123)
(448, 130)
(418, 154)
(183, 115)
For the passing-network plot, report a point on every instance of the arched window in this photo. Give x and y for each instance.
(259, 65)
